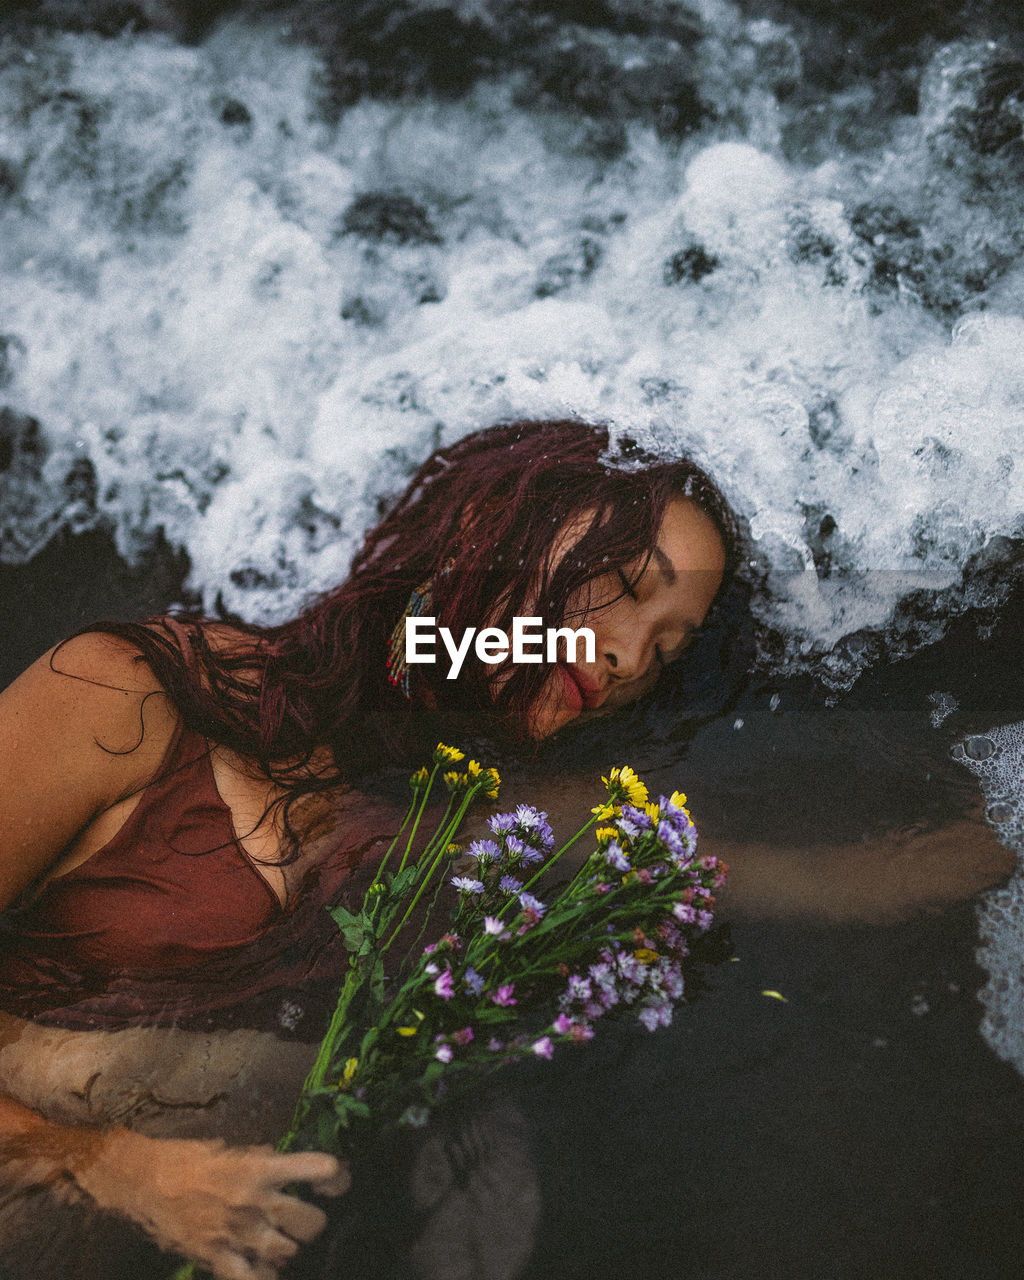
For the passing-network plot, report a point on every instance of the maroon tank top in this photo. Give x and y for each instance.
(171, 920)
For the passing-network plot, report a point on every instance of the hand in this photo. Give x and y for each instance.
(225, 1207)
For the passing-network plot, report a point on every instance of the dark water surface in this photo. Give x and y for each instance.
(860, 1128)
(257, 258)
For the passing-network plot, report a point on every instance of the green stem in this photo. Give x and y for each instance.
(325, 1053)
(546, 867)
(415, 826)
(398, 833)
(442, 841)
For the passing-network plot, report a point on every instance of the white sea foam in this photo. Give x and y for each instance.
(251, 368)
(997, 760)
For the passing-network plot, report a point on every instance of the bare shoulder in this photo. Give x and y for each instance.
(95, 688)
(102, 660)
(85, 726)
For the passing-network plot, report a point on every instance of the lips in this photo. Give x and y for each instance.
(588, 690)
(573, 692)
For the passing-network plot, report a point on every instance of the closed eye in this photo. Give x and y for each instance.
(627, 586)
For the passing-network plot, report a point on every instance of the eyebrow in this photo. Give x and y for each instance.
(665, 566)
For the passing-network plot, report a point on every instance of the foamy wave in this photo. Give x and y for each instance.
(242, 319)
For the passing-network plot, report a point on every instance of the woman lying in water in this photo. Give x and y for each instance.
(141, 750)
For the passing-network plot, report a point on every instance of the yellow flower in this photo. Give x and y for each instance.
(623, 784)
(448, 755)
(456, 782)
(488, 779)
(350, 1069)
(419, 779)
(407, 1031)
(603, 811)
(604, 834)
(645, 955)
(679, 800)
(652, 810)
(453, 850)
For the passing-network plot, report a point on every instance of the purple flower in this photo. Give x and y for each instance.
(503, 997)
(534, 827)
(466, 884)
(464, 1036)
(509, 884)
(527, 816)
(514, 848)
(485, 851)
(672, 979)
(563, 1024)
(502, 824)
(494, 927)
(615, 857)
(633, 970)
(473, 981)
(495, 1045)
(530, 903)
(671, 839)
(531, 856)
(443, 985)
(637, 819)
(704, 919)
(543, 1047)
(578, 988)
(684, 913)
(655, 1013)
(444, 1053)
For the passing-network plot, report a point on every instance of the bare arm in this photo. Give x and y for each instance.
(880, 880)
(76, 744)
(884, 878)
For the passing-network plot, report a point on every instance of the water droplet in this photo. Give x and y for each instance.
(979, 748)
(1000, 811)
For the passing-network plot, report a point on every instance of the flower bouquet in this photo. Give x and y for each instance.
(515, 974)
(519, 971)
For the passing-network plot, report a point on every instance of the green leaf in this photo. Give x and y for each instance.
(353, 928)
(326, 1132)
(347, 1108)
(404, 880)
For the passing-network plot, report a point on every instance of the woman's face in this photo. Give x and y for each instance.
(637, 631)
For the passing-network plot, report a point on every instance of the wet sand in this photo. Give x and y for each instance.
(860, 1127)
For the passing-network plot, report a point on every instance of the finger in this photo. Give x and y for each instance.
(227, 1264)
(264, 1244)
(303, 1166)
(295, 1218)
(336, 1185)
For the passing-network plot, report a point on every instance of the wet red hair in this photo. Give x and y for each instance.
(490, 506)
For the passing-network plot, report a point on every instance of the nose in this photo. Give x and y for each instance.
(625, 654)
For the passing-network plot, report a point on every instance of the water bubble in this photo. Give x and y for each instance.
(1000, 811)
(978, 747)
